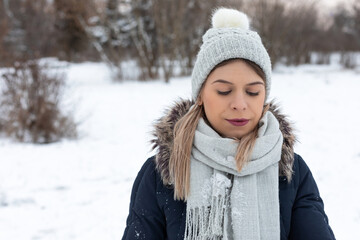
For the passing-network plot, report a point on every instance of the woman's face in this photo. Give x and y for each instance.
(233, 98)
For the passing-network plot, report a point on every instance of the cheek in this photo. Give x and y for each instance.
(212, 105)
(259, 106)
(209, 106)
(256, 106)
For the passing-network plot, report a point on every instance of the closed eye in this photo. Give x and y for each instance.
(224, 93)
(252, 93)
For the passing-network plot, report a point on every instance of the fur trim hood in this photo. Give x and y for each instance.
(163, 139)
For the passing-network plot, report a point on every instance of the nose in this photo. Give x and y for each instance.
(238, 102)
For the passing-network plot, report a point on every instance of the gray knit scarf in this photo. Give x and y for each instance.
(226, 204)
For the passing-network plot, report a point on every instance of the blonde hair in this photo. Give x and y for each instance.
(184, 132)
(179, 163)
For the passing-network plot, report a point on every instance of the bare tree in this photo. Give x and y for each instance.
(142, 30)
(36, 21)
(168, 18)
(112, 39)
(3, 32)
(301, 33)
(356, 16)
(26, 20)
(287, 28)
(71, 35)
(345, 33)
(13, 40)
(191, 34)
(268, 18)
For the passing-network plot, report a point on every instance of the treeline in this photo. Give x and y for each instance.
(158, 38)
(162, 37)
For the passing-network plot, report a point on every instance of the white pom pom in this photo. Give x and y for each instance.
(226, 17)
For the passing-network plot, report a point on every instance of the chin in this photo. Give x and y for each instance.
(237, 136)
(240, 135)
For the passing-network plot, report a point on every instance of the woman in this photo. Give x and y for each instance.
(225, 167)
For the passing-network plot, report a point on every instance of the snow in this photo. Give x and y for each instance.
(80, 189)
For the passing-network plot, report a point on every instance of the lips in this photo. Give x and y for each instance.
(238, 122)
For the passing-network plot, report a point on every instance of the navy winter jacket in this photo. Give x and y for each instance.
(154, 214)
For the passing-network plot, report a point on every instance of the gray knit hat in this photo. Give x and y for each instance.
(229, 37)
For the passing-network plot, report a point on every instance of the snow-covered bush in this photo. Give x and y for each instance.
(30, 105)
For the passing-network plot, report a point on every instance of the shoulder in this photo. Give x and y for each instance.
(144, 197)
(148, 168)
(147, 175)
(300, 164)
(144, 183)
(148, 180)
(300, 168)
(302, 175)
(301, 183)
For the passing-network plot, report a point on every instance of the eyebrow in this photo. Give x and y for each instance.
(227, 82)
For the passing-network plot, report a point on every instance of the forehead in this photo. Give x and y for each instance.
(236, 71)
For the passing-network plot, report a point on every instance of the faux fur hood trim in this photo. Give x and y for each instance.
(163, 139)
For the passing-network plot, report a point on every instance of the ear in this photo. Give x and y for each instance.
(199, 100)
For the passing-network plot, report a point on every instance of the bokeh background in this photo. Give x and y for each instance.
(82, 82)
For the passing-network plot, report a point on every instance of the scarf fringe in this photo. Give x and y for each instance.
(206, 223)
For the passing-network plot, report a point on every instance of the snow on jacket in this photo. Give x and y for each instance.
(154, 214)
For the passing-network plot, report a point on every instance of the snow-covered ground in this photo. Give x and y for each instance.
(81, 189)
